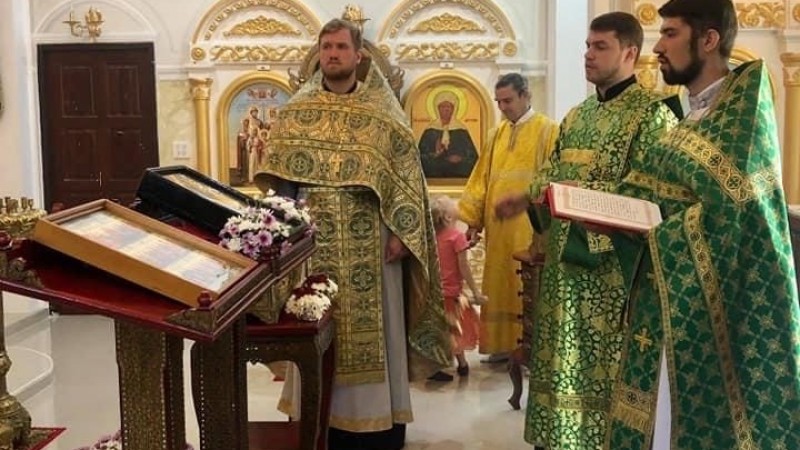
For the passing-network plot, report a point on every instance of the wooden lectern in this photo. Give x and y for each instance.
(150, 330)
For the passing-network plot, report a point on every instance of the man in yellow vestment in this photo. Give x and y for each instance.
(347, 148)
(515, 150)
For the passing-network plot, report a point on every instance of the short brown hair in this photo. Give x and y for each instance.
(340, 24)
(628, 30)
(719, 15)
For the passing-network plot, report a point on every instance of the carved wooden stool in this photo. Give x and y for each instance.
(310, 346)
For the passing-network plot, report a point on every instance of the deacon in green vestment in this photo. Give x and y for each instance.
(711, 356)
(577, 339)
(347, 148)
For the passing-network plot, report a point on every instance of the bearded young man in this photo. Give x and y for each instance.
(514, 152)
(347, 148)
(577, 338)
(712, 353)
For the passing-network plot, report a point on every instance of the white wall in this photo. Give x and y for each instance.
(170, 25)
(19, 165)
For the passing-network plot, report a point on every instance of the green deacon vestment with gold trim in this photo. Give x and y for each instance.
(355, 158)
(577, 338)
(714, 286)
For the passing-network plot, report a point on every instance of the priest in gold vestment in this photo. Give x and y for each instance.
(515, 150)
(577, 332)
(346, 147)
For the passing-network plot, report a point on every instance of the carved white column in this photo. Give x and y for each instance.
(18, 122)
(568, 21)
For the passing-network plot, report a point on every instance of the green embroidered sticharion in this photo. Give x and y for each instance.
(724, 299)
(577, 338)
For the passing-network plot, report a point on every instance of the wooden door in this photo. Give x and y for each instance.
(98, 114)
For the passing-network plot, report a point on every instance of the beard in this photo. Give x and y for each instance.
(338, 74)
(673, 76)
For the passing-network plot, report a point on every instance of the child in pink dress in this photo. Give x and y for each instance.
(453, 245)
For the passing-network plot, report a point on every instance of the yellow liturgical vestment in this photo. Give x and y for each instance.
(508, 162)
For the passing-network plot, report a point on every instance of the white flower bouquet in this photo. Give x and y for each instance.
(293, 212)
(258, 231)
(312, 297)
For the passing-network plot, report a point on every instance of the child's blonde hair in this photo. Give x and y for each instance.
(442, 208)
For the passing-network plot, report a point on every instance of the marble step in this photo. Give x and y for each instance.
(28, 344)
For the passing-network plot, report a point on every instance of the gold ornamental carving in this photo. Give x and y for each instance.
(259, 53)
(648, 78)
(647, 71)
(447, 23)
(796, 13)
(385, 50)
(224, 10)
(761, 14)
(355, 14)
(19, 216)
(647, 14)
(490, 13)
(447, 51)
(200, 88)
(263, 26)
(791, 69)
(510, 49)
(198, 54)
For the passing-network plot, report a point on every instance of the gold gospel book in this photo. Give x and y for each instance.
(602, 208)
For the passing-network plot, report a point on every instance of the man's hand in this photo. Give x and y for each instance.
(473, 236)
(395, 249)
(511, 205)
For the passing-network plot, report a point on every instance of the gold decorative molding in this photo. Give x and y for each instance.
(796, 13)
(198, 54)
(447, 51)
(447, 23)
(201, 88)
(510, 49)
(385, 50)
(259, 53)
(262, 26)
(491, 14)
(647, 13)
(224, 10)
(761, 14)
(791, 69)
